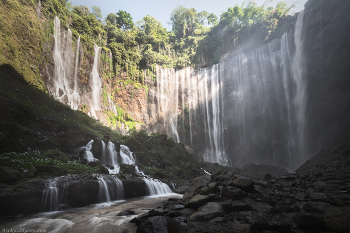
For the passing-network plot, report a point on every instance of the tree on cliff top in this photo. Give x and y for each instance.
(124, 20)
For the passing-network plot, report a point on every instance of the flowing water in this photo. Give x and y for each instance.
(250, 106)
(94, 218)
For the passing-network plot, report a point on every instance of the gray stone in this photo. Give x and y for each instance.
(338, 219)
(231, 193)
(160, 224)
(207, 212)
(199, 200)
(244, 184)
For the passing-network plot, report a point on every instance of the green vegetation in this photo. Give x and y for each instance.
(26, 162)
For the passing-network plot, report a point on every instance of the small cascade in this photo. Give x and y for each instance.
(87, 154)
(50, 198)
(110, 189)
(112, 159)
(127, 157)
(156, 187)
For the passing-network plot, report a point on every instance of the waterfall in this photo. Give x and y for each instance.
(198, 89)
(50, 197)
(156, 187)
(64, 86)
(127, 157)
(111, 157)
(250, 106)
(75, 94)
(87, 154)
(300, 97)
(110, 189)
(96, 83)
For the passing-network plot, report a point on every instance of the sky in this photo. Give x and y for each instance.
(161, 9)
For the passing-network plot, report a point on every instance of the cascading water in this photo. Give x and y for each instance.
(87, 154)
(75, 95)
(64, 85)
(252, 105)
(198, 90)
(111, 157)
(96, 84)
(110, 189)
(50, 199)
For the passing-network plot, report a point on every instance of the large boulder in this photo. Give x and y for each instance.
(161, 224)
(9, 176)
(207, 212)
(199, 200)
(197, 184)
(243, 183)
(338, 219)
(232, 193)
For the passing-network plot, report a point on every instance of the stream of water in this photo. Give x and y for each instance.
(94, 218)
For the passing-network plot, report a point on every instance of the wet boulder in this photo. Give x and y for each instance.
(199, 200)
(154, 212)
(197, 184)
(207, 212)
(244, 184)
(127, 213)
(309, 221)
(160, 224)
(231, 193)
(337, 219)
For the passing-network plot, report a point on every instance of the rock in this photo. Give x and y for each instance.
(109, 166)
(154, 212)
(181, 189)
(55, 171)
(338, 219)
(280, 223)
(261, 207)
(282, 207)
(9, 176)
(205, 191)
(318, 207)
(104, 170)
(127, 213)
(318, 197)
(127, 169)
(207, 212)
(258, 221)
(231, 193)
(178, 207)
(229, 176)
(199, 200)
(240, 206)
(309, 221)
(62, 207)
(96, 163)
(197, 184)
(217, 220)
(180, 219)
(160, 224)
(244, 184)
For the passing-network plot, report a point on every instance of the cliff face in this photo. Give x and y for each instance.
(327, 56)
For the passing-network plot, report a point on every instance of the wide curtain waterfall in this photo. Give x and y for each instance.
(248, 108)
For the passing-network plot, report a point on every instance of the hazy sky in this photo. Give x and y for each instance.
(161, 9)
